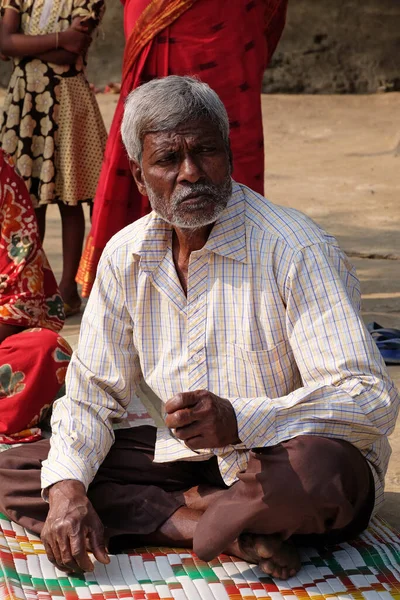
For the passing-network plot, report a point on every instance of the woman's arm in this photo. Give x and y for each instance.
(16, 44)
(64, 57)
(59, 57)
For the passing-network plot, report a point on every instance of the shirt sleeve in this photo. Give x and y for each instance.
(346, 392)
(101, 379)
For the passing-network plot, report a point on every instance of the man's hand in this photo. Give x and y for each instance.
(72, 528)
(202, 420)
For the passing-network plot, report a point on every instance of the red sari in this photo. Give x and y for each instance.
(228, 44)
(33, 362)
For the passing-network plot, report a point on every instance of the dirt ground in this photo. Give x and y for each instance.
(333, 158)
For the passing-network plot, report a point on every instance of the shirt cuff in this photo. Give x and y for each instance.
(255, 422)
(54, 471)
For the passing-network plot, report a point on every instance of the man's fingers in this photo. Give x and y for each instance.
(180, 418)
(183, 400)
(54, 556)
(191, 431)
(79, 552)
(67, 555)
(197, 443)
(193, 436)
(97, 546)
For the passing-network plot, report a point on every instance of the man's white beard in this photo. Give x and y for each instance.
(172, 215)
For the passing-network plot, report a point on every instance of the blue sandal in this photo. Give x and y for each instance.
(388, 342)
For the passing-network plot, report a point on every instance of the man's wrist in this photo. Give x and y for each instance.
(66, 487)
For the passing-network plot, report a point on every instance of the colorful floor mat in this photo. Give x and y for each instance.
(368, 568)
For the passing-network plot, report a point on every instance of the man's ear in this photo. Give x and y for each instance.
(230, 156)
(136, 170)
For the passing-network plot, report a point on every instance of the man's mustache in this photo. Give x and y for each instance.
(195, 189)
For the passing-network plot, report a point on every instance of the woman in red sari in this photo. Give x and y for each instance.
(228, 44)
(33, 357)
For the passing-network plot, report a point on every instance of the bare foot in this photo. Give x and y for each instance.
(275, 557)
(200, 497)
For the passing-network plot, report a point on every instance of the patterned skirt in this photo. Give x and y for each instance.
(33, 365)
(53, 129)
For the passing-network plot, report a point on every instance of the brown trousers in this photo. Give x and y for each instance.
(309, 486)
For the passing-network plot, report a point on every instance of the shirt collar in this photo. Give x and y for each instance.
(227, 237)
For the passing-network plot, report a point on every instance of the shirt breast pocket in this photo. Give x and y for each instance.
(251, 373)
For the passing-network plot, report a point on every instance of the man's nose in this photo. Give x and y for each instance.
(189, 170)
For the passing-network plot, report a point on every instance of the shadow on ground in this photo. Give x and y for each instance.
(391, 510)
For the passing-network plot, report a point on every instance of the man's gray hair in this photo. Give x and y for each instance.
(164, 104)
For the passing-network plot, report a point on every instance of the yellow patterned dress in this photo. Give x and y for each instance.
(51, 124)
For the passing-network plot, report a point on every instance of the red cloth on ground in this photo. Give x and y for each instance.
(33, 364)
(228, 45)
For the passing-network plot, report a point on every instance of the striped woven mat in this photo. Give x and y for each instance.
(367, 568)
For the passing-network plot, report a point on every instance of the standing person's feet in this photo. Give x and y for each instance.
(71, 298)
(73, 232)
(277, 558)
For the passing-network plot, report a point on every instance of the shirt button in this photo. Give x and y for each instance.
(198, 357)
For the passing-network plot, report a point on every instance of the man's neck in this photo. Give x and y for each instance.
(186, 241)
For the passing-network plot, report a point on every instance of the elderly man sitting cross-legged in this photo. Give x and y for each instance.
(243, 318)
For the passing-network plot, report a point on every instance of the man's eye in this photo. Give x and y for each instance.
(206, 149)
(166, 159)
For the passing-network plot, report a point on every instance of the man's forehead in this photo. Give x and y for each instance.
(193, 130)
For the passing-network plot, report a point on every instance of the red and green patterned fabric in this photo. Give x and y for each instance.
(34, 361)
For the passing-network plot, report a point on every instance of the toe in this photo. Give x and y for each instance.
(274, 570)
(267, 567)
(267, 546)
(284, 573)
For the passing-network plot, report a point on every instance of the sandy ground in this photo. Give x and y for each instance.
(332, 158)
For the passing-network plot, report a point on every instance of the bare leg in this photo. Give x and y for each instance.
(73, 232)
(41, 220)
(274, 556)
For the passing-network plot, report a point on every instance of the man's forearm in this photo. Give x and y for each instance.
(353, 411)
(100, 382)
(81, 437)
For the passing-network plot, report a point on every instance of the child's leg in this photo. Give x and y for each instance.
(41, 219)
(73, 232)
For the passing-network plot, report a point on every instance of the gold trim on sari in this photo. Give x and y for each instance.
(155, 17)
